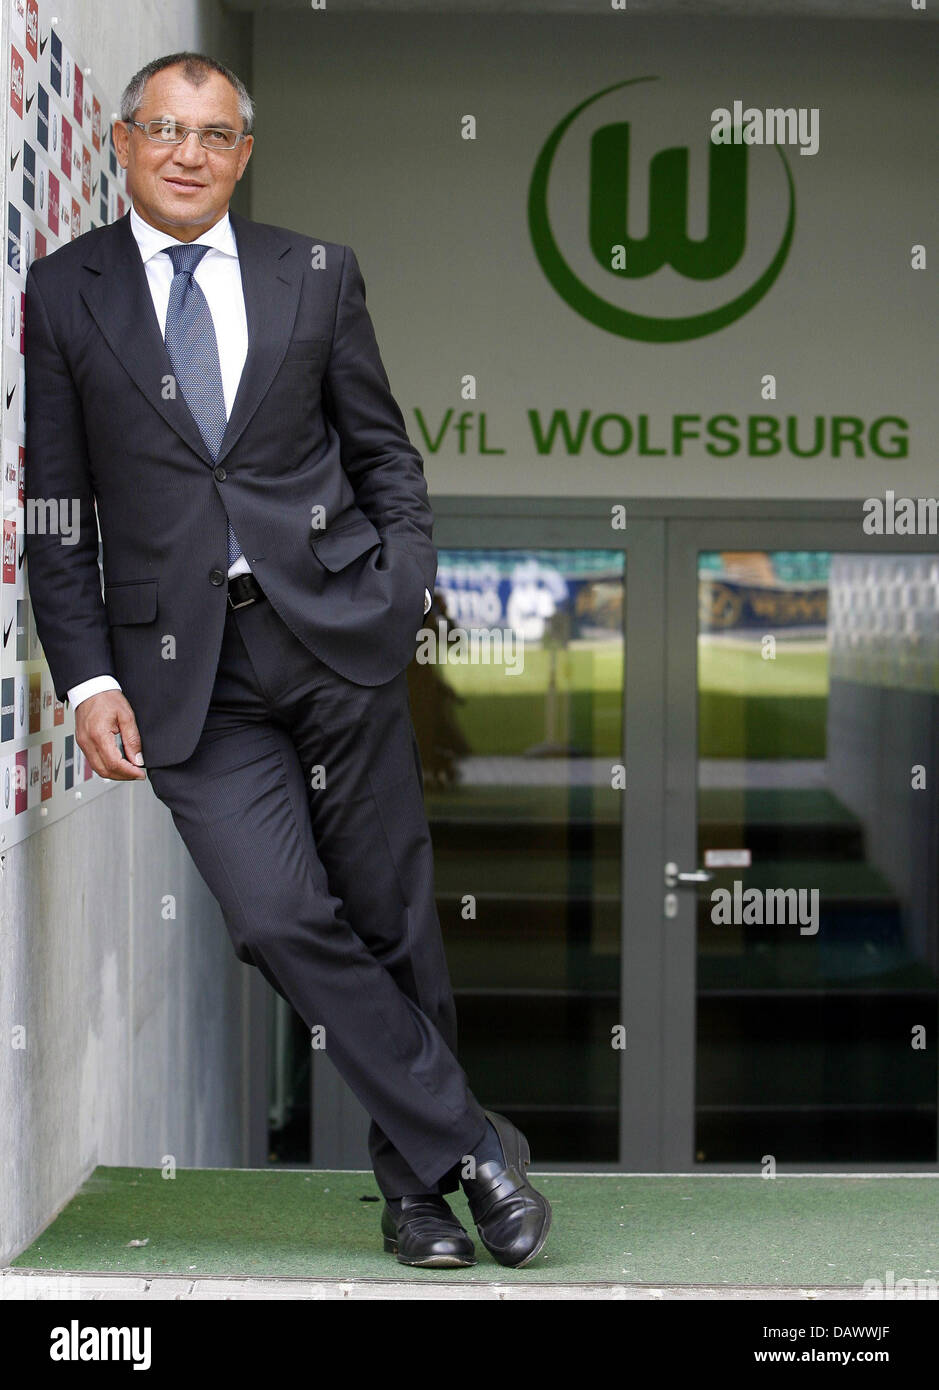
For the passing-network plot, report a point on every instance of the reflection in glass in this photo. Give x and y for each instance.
(818, 729)
(517, 704)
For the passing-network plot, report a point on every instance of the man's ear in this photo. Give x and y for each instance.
(121, 137)
(248, 146)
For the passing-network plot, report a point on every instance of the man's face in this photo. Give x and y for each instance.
(182, 189)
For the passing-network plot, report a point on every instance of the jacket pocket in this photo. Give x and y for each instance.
(339, 546)
(131, 601)
(306, 350)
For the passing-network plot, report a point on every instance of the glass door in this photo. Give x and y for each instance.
(801, 882)
(517, 701)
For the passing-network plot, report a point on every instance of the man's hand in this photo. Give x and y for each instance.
(97, 720)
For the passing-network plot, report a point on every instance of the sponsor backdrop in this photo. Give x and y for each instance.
(62, 179)
(537, 204)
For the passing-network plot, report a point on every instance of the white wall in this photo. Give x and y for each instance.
(359, 142)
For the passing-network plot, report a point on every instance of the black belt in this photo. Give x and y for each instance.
(243, 589)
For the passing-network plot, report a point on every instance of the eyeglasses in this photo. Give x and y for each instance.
(172, 133)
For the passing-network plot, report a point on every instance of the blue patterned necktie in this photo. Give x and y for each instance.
(193, 353)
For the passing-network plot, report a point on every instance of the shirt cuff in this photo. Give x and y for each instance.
(80, 692)
(427, 600)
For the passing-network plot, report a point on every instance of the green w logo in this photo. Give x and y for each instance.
(666, 242)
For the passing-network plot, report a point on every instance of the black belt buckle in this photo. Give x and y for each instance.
(242, 590)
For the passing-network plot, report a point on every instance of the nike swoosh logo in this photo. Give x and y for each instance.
(42, 43)
(10, 395)
(13, 159)
(19, 563)
(94, 188)
(30, 100)
(6, 635)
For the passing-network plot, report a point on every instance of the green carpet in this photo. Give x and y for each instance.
(795, 1232)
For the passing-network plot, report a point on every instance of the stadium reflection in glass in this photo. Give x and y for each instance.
(517, 695)
(818, 813)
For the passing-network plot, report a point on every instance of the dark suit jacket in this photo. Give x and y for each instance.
(313, 424)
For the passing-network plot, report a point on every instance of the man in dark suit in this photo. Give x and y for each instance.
(212, 388)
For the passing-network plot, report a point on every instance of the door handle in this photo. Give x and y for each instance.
(673, 878)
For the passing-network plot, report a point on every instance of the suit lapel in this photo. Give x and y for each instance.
(117, 294)
(270, 278)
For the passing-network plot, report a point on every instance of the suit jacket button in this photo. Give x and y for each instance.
(217, 576)
(220, 473)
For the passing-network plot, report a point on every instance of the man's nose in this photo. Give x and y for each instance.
(184, 147)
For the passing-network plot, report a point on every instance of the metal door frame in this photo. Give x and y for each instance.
(685, 539)
(657, 975)
(340, 1124)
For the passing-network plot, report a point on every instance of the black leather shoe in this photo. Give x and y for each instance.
(512, 1218)
(426, 1233)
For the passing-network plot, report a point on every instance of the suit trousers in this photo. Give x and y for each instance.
(302, 808)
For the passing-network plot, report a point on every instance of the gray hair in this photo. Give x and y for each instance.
(196, 69)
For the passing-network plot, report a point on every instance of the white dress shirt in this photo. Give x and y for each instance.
(218, 275)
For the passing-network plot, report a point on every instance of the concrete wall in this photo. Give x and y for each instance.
(883, 722)
(133, 1023)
